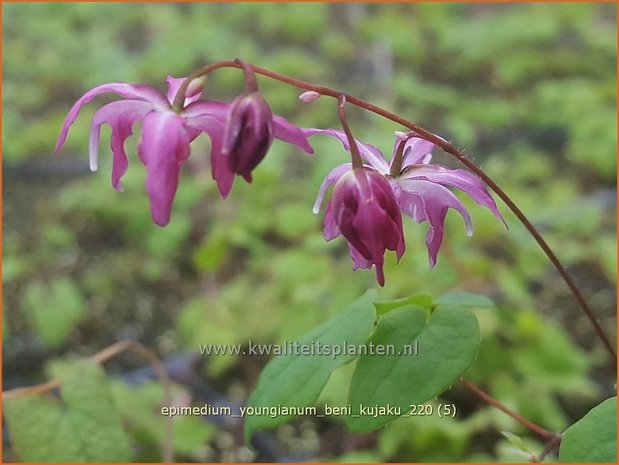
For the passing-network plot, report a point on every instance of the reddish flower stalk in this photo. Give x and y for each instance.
(541, 432)
(444, 145)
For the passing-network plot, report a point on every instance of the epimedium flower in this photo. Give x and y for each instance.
(165, 136)
(364, 210)
(248, 133)
(419, 187)
(164, 139)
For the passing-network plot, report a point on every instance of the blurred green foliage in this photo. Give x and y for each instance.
(296, 380)
(84, 427)
(528, 90)
(54, 309)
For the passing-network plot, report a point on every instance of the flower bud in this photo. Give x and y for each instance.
(364, 209)
(248, 133)
(309, 96)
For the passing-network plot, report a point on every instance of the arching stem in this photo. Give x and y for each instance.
(541, 432)
(444, 145)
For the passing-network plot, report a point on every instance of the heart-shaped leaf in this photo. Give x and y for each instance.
(593, 438)
(384, 387)
(84, 427)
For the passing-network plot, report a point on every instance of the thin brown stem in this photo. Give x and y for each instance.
(444, 145)
(357, 161)
(251, 85)
(103, 356)
(179, 98)
(543, 433)
(31, 390)
(550, 446)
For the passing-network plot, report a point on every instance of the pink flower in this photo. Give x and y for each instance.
(249, 131)
(165, 136)
(420, 188)
(364, 210)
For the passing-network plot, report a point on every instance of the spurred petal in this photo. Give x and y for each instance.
(372, 155)
(351, 215)
(288, 132)
(364, 209)
(462, 179)
(164, 146)
(435, 201)
(202, 115)
(434, 236)
(411, 205)
(128, 91)
(331, 178)
(210, 117)
(330, 228)
(360, 263)
(392, 232)
(120, 116)
(213, 108)
(221, 173)
(367, 237)
(417, 151)
(214, 127)
(191, 95)
(377, 225)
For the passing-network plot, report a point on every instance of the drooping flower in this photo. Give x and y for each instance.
(164, 139)
(165, 136)
(364, 210)
(420, 188)
(248, 133)
(249, 130)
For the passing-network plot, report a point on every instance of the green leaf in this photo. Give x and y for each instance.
(464, 299)
(55, 309)
(84, 427)
(446, 345)
(140, 409)
(14, 267)
(296, 380)
(212, 252)
(518, 443)
(420, 300)
(593, 438)
(191, 433)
